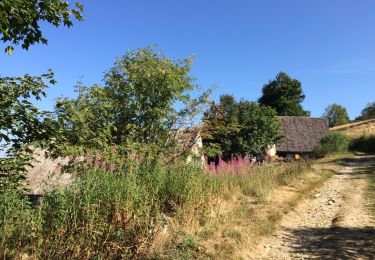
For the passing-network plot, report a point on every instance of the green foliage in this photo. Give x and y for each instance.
(185, 246)
(144, 86)
(111, 209)
(16, 222)
(19, 20)
(367, 113)
(20, 120)
(137, 104)
(364, 144)
(243, 127)
(260, 127)
(115, 207)
(285, 95)
(333, 142)
(21, 123)
(220, 127)
(84, 121)
(336, 115)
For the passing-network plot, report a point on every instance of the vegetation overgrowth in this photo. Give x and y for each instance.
(244, 127)
(333, 142)
(121, 200)
(370, 192)
(115, 206)
(364, 143)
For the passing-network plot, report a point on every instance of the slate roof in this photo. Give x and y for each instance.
(302, 134)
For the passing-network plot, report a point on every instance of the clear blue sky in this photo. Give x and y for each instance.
(238, 45)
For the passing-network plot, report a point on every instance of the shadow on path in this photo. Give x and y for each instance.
(339, 242)
(333, 243)
(364, 159)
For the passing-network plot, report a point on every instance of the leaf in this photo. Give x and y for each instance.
(9, 50)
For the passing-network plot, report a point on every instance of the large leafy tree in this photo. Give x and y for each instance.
(368, 112)
(20, 20)
(285, 95)
(145, 96)
(243, 127)
(260, 127)
(144, 86)
(336, 115)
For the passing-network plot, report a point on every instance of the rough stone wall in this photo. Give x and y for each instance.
(46, 173)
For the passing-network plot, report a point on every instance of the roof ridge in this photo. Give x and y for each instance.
(302, 117)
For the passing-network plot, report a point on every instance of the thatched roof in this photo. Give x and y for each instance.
(302, 134)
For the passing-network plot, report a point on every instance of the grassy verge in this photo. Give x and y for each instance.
(117, 209)
(240, 217)
(370, 192)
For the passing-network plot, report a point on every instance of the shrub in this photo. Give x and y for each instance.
(364, 144)
(333, 142)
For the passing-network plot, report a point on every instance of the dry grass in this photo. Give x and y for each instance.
(237, 222)
(357, 129)
(370, 192)
(124, 215)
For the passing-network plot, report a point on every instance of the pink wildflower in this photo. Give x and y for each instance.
(212, 167)
(57, 169)
(89, 159)
(97, 164)
(104, 163)
(112, 167)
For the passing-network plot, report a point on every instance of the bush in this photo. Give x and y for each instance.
(364, 144)
(333, 142)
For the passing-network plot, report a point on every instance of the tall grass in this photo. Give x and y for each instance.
(113, 209)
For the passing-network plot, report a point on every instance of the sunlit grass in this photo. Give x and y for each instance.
(116, 209)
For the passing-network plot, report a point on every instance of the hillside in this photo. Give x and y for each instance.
(357, 129)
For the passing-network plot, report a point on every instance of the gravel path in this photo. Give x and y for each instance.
(334, 224)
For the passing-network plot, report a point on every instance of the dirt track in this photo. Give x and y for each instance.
(334, 224)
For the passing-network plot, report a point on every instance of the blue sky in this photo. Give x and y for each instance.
(238, 45)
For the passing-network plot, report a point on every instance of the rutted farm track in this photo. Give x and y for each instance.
(334, 224)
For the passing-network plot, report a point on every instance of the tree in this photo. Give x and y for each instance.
(220, 128)
(245, 128)
(336, 115)
(85, 121)
(19, 20)
(260, 127)
(144, 85)
(21, 124)
(145, 96)
(368, 112)
(285, 95)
